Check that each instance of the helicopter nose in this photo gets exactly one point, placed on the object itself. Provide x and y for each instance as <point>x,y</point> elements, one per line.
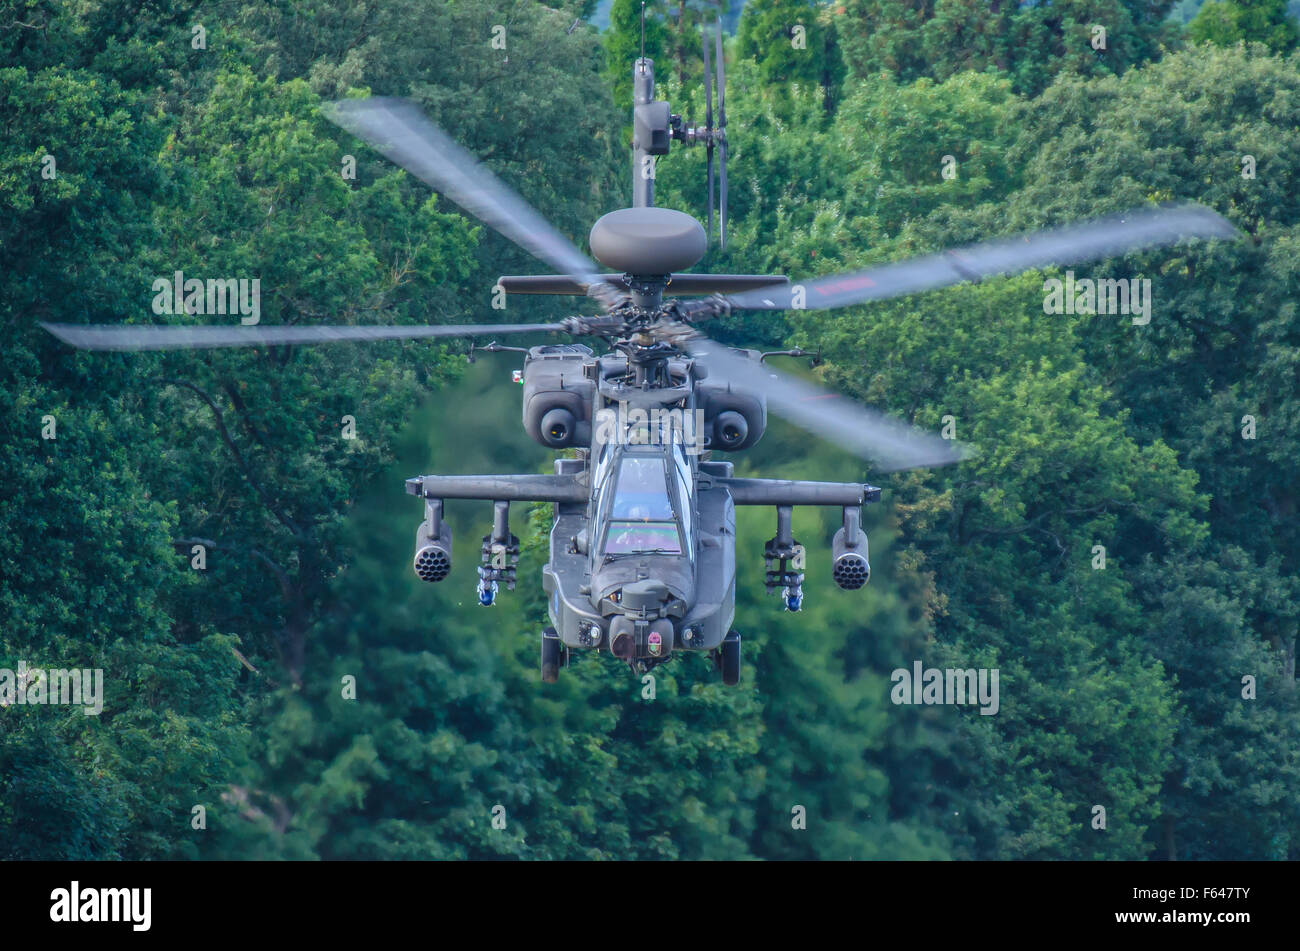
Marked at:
<point>647,595</point>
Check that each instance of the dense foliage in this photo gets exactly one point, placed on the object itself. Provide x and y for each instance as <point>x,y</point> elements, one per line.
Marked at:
<point>883,128</point>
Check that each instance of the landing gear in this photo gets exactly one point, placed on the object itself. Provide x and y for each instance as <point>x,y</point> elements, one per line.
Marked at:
<point>554,656</point>
<point>727,659</point>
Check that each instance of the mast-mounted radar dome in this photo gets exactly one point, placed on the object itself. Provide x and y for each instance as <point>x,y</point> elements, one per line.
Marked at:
<point>648,241</point>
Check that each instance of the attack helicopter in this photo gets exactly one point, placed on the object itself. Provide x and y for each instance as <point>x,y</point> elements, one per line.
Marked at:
<point>643,539</point>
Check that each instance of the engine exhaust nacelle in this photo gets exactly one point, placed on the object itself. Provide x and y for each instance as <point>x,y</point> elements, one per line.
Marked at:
<point>558,394</point>
<point>733,419</point>
<point>850,566</point>
<point>558,428</point>
<point>730,430</point>
<point>433,545</point>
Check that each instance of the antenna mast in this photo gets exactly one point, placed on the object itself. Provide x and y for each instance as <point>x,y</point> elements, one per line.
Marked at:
<point>654,127</point>
<point>649,127</point>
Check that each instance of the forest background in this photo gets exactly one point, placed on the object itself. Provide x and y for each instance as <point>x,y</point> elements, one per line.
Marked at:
<point>1160,685</point>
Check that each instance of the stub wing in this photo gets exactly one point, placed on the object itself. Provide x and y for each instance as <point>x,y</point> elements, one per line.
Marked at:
<point>792,492</point>
<point>500,488</point>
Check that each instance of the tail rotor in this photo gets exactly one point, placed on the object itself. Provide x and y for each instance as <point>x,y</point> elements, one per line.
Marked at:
<point>708,130</point>
<point>720,137</point>
<point>715,137</point>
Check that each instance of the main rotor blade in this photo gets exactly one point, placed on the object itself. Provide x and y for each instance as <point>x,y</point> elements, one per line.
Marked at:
<point>890,443</point>
<point>1073,244</point>
<point>401,131</point>
<point>708,86</point>
<point>147,337</point>
<point>722,78</point>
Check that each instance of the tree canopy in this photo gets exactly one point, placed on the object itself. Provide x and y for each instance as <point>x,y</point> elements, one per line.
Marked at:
<point>225,533</point>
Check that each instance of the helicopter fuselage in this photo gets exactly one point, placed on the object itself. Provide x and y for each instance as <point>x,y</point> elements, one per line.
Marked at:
<point>643,540</point>
<point>646,564</point>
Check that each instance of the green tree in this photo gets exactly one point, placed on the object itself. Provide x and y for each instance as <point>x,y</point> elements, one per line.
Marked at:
<point>793,42</point>
<point>1218,348</point>
<point>624,45</point>
<point>1193,592</point>
<point>1159,684</point>
<point>1225,22</point>
<point>689,24</point>
<point>1030,42</point>
<point>90,578</point>
<point>1015,588</point>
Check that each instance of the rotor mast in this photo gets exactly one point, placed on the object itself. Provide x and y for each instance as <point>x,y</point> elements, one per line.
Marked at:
<point>650,137</point>
<point>643,151</point>
<point>643,93</point>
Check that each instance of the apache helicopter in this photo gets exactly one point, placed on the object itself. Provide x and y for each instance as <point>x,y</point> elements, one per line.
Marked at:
<point>643,544</point>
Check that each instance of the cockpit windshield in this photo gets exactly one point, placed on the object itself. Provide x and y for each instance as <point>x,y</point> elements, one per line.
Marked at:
<point>642,490</point>
<point>641,517</point>
<point>642,538</point>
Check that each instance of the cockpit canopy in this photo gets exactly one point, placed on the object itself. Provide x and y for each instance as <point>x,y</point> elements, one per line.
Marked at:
<point>643,510</point>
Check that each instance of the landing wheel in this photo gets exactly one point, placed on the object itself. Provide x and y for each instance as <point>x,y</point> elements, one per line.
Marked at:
<point>554,656</point>
<point>729,659</point>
